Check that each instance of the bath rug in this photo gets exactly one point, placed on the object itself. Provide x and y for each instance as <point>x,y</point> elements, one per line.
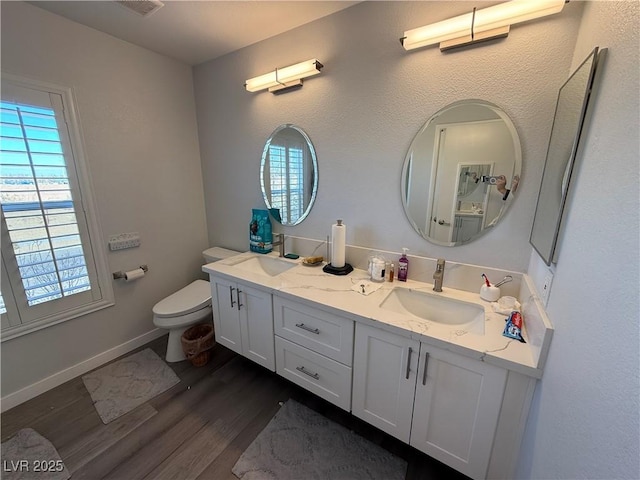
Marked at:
<point>28,456</point>
<point>121,386</point>
<point>299,443</point>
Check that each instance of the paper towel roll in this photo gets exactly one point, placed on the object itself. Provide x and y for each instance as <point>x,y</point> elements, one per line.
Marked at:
<point>338,243</point>
<point>133,275</point>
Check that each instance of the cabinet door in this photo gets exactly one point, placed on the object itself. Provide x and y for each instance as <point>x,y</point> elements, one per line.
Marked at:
<point>456,409</point>
<point>256,326</point>
<point>226,320</point>
<point>384,379</point>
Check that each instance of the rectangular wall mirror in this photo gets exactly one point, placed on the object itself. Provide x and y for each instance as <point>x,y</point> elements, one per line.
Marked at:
<point>564,143</point>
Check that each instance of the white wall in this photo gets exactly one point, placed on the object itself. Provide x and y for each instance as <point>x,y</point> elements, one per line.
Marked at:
<point>137,114</point>
<point>584,419</point>
<point>362,113</point>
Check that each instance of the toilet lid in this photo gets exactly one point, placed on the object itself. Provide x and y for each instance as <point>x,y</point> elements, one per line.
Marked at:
<point>193,297</point>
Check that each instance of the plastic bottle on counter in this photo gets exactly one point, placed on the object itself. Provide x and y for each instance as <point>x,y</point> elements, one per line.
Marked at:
<point>403,266</point>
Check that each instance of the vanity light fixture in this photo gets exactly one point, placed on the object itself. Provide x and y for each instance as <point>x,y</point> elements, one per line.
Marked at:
<point>284,79</point>
<point>479,25</point>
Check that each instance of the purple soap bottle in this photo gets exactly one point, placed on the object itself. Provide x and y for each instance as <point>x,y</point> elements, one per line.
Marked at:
<point>403,266</point>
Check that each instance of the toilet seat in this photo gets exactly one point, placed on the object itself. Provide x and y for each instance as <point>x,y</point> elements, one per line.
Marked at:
<point>184,320</point>
<point>190,299</point>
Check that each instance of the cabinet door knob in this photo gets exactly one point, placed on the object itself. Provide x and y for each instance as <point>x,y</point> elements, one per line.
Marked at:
<point>408,362</point>
<point>426,365</point>
<point>231,289</point>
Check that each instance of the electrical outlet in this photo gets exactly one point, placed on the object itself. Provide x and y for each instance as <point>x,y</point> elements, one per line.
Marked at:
<point>124,240</point>
<point>546,287</point>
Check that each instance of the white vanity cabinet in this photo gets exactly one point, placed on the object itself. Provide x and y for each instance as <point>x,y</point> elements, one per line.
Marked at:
<point>243,320</point>
<point>443,404</point>
<point>464,402</point>
<point>314,349</point>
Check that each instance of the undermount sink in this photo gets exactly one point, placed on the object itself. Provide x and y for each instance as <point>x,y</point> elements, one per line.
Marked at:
<point>265,265</point>
<point>436,308</point>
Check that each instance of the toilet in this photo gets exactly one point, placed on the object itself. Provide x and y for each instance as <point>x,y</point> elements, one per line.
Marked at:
<point>186,307</point>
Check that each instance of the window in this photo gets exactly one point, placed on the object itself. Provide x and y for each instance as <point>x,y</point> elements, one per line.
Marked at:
<point>51,270</point>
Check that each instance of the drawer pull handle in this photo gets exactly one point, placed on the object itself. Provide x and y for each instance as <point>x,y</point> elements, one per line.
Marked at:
<point>408,363</point>
<point>426,365</point>
<point>307,372</point>
<point>308,329</point>
<point>238,295</point>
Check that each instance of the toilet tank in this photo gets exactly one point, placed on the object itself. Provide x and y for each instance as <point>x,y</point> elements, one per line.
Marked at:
<point>214,254</point>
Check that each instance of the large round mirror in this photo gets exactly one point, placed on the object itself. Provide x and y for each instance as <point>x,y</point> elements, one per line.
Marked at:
<point>289,174</point>
<point>461,172</point>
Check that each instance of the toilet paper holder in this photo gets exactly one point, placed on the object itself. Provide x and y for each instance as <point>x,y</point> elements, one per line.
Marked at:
<point>120,274</point>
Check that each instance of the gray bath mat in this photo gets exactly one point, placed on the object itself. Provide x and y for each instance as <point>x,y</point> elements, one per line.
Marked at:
<point>28,455</point>
<point>299,443</point>
<point>121,386</point>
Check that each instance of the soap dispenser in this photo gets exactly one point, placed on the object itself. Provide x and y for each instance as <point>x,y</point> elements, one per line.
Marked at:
<point>403,266</point>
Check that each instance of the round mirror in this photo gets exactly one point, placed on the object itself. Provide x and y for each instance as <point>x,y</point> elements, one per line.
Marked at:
<point>461,172</point>
<point>289,174</point>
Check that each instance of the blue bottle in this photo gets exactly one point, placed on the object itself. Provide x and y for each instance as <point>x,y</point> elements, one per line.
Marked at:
<point>260,235</point>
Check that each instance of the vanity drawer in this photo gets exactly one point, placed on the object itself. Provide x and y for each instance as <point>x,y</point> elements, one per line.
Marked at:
<point>326,378</point>
<point>322,332</point>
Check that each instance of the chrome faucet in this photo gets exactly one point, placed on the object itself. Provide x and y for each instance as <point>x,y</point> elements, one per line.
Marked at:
<point>280,243</point>
<point>438,275</point>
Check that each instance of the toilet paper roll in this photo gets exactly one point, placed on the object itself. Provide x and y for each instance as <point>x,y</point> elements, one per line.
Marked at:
<point>338,243</point>
<point>133,275</point>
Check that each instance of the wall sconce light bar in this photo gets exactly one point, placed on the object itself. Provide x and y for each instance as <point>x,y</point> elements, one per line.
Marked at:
<point>282,79</point>
<point>479,25</point>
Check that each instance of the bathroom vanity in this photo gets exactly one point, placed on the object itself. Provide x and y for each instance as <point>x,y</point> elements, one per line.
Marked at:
<point>431,369</point>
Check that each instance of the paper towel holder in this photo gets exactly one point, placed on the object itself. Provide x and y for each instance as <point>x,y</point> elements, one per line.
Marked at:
<point>120,274</point>
<point>328,268</point>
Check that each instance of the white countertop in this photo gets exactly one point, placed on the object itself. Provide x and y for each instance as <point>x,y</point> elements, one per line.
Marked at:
<point>334,293</point>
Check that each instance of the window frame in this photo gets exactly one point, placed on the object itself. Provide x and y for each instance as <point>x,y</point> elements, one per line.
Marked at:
<point>86,206</point>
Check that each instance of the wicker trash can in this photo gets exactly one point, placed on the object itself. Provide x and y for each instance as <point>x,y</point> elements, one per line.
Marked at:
<point>197,342</point>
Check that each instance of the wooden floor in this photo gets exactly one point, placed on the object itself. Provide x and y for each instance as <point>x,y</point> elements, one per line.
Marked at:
<point>197,429</point>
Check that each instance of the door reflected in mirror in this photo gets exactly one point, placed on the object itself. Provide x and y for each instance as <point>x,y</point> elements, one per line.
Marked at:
<point>461,172</point>
<point>289,174</point>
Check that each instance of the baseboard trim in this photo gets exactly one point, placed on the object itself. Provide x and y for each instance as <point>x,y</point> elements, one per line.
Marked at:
<point>27,393</point>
